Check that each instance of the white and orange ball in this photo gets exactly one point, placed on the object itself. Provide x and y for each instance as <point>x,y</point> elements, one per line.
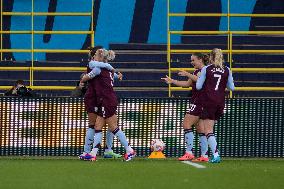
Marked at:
<point>157,145</point>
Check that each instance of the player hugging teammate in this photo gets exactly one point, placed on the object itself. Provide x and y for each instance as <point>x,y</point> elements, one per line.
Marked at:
<point>207,103</point>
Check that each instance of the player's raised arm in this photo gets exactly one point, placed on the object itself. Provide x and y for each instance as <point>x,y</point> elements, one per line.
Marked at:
<point>169,80</point>
<point>95,71</point>
<point>189,75</point>
<point>93,64</point>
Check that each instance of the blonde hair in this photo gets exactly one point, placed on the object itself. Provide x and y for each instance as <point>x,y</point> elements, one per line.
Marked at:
<point>110,55</point>
<point>216,58</point>
<point>107,55</point>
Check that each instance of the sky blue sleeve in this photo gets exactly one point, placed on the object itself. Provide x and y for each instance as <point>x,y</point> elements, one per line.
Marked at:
<point>230,82</point>
<point>93,64</point>
<point>95,71</point>
<point>201,79</point>
<point>115,76</point>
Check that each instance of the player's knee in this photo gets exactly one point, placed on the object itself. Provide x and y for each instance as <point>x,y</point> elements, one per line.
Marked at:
<point>187,125</point>
<point>99,126</point>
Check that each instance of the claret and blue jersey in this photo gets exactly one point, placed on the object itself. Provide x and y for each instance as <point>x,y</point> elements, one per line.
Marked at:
<point>213,81</point>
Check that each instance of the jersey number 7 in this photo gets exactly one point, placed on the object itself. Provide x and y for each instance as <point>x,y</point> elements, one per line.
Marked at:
<point>218,81</point>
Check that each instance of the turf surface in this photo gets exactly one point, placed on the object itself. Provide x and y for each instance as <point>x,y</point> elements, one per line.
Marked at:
<point>66,172</point>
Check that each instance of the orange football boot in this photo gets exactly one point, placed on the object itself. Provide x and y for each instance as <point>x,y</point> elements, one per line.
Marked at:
<point>186,157</point>
<point>201,159</point>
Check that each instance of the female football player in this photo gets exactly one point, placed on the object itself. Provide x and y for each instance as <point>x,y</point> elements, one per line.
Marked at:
<point>192,115</point>
<point>106,105</point>
<point>213,81</point>
<point>90,104</point>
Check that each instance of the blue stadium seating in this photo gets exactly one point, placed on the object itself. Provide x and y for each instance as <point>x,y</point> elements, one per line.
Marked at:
<point>144,64</point>
<point>157,54</point>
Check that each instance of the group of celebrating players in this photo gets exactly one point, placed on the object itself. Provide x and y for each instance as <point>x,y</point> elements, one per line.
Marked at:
<point>101,105</point>
<point>209,81</point>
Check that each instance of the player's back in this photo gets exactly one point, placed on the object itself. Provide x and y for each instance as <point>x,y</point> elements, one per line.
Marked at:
<point>215,84</point>
<point>104,88</point>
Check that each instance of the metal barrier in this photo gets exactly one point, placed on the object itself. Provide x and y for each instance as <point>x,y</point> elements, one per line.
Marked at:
<point>229,50</point>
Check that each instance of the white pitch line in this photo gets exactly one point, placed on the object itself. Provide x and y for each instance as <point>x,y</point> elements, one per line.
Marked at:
<point>194,164</point>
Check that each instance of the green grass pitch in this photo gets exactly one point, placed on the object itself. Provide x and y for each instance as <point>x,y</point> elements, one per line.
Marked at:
<point>69,172</point>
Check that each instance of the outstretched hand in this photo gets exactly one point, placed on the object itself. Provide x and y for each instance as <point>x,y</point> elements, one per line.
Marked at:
<point>81,85</point>
<point>167,79</point>
<point>85,78</point>
<point>120,76</point>
<point>183,73</point>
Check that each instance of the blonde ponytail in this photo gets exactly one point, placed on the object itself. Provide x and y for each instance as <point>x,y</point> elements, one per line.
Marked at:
<point>216,58</point>
<point>110,55</point>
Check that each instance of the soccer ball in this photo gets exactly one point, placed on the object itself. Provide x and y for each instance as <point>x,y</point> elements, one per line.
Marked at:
<point>157,145</point>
